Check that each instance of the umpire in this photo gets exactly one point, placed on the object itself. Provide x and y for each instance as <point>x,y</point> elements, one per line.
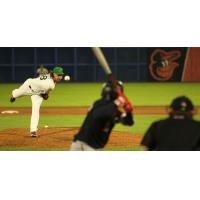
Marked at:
<point>101,118</point>
<point>179,132</point>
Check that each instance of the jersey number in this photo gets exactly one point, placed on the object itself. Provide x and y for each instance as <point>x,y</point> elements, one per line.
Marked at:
<point>44,77</point>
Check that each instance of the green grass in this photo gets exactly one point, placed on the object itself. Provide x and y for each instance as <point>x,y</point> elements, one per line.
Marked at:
<point>51,121</point>
<point>83,94</point>
<point>142,122</point>
<point>73,121</point>
<point>121,149</point>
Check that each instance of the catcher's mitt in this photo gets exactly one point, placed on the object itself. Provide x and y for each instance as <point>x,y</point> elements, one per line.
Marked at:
<point>45,96</point>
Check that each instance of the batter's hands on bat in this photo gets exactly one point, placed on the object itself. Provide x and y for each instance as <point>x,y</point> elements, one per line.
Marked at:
<point>122,103</point>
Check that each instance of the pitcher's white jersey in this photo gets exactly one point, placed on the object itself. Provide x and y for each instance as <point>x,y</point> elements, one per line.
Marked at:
<point>42,84</point>
<point>35,86</point>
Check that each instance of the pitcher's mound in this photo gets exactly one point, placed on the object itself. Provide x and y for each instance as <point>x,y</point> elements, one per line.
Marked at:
<point>60,138</point>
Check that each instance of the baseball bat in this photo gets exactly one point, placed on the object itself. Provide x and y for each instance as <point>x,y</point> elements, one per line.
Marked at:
<point>102,60</point>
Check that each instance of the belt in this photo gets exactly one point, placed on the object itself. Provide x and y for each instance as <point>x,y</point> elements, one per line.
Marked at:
<point>38,93</point>
<point>31,88</point>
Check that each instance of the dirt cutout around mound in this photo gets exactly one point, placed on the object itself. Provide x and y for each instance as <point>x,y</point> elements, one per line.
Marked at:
<point>138,110</point>
<point>144,110</point>
<point>59,138</point>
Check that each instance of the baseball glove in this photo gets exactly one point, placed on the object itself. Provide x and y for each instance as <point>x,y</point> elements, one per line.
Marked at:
<point>45,96</point>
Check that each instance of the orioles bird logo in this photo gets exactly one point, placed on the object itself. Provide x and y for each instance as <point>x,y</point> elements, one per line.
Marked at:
<point>163,64</point>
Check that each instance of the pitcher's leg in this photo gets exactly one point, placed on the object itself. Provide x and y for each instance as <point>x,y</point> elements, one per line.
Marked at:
<point>36,103</point>
<point>23,90</point>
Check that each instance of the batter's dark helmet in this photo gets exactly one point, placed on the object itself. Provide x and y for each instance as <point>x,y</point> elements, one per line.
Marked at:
<point>182,104</point>
<point>108,92</point>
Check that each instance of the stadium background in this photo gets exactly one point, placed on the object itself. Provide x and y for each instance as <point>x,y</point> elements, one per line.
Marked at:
<point>17,64</point>
<point>128,64</point>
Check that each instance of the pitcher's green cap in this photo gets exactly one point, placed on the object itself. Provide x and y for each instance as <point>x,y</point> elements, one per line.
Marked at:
<point>57,70</point>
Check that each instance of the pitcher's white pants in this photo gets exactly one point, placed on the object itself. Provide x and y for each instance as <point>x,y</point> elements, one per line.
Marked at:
<point>36,103</point>
<point>24,90</point>
<point>81,146</point>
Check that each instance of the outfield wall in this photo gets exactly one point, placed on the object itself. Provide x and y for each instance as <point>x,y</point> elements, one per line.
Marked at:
<point>129,64</point>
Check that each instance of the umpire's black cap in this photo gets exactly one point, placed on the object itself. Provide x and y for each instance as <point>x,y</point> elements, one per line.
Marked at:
<point>182,104</point>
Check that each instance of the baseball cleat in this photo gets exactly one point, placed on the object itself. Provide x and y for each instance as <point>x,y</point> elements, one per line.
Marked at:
<point>12,99</point>
<point>34,134</point>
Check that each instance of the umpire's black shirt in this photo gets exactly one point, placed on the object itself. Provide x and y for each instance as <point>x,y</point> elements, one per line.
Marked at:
<point>100,120</point>
<point>173,135</point>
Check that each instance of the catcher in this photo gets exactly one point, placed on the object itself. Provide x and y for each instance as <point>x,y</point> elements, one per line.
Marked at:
<point>112,108</point>
<point>38,89</point>
<point>179,132</point>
